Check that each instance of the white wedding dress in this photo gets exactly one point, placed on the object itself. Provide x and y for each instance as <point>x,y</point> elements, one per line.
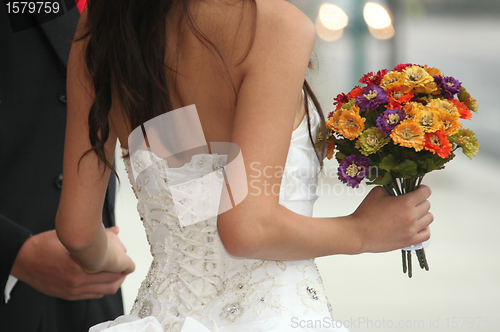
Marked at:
<point>193,284</point>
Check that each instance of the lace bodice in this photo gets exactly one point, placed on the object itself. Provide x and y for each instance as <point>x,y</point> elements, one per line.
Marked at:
<point>191,274</point>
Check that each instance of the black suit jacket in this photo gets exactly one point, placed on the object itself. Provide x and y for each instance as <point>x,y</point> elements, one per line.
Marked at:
<point>32,127</point>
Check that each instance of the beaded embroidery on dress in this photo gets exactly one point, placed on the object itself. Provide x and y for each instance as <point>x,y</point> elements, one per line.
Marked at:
<point>193,284</point>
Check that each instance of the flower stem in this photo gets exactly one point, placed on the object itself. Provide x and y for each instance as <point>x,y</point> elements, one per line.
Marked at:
<point>405,268</point>
<point>409,263</point>
<point>424,260</point>
<point>420,258</point>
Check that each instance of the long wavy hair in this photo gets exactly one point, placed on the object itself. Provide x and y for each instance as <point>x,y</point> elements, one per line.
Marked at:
<point>125,56</point>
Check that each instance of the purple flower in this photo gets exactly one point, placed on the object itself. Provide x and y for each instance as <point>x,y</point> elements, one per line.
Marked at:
<point>371,98</point>
<point>390,119</point>
<point>353,169</point>
<point>448,85</point>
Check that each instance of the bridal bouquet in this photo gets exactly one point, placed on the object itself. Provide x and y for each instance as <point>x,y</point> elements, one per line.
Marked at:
<point>397,127</point>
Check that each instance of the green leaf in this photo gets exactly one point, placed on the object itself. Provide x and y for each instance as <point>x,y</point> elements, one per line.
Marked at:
<point>425,165</point>
<point>340,156</point>
<point>386,179</point>
<point>388,163</point>
<point>407,169</point>
<point>371,118</point>
<point>440,162</point>
<point>371,176</point>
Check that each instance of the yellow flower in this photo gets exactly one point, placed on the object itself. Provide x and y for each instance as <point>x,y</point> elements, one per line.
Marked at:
<point>418,79</point>
<point>409,134</point>
<point>451,124</point>
<point>429,120</point>
<point>444,106</point>
<point>392,80</point>
<point>411,109</point>
<point>351,124</point>
<point>433,71</point>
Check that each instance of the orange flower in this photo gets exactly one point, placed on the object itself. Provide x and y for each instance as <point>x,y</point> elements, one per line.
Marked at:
<point>330,148</point>
<point>429,120</point>
<point>351,125</point>
<point>409,134</point>
<point>333,121</point>
<point>397,97</point>
<point>392,80</point>
<point>355,92</point>
<point>462,109</point>
<point>438,143</point>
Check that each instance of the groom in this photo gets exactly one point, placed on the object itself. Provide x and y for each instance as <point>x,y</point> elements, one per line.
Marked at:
<point>45,290</point>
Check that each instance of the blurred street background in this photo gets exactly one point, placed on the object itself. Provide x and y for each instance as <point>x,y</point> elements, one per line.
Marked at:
<point>369,292</point>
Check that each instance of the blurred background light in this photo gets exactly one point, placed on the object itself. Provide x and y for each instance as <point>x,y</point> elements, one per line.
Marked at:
<point>327,34</point>
<point>376,16</point>
<point>385,33</point>
<point>332,17</point>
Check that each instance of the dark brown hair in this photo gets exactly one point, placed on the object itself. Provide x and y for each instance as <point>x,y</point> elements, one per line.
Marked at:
<point>125,56</point>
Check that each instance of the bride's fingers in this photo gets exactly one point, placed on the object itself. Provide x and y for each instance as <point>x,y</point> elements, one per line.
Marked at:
<point>422,208</point>
<point>421,194</point>
<point>424,222</point>
<point>422,236</point>
<point>421,226</point>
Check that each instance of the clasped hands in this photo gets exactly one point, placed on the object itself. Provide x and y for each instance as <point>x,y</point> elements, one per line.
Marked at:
<point>47,266</point>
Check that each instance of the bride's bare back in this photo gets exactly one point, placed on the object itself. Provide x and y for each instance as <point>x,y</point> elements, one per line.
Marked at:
<point>197,74</point>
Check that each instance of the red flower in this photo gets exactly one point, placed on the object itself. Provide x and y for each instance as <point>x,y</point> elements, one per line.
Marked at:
<point>402,66</point>
<point>372,78</point>
<point>437,142</point>
<point>340,99</point>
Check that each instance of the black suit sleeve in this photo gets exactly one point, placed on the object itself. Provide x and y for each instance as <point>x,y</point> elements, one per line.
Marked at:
<point>12,238</point>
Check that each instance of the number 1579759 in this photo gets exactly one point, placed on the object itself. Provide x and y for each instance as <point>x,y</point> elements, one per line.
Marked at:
<point>22,7</point>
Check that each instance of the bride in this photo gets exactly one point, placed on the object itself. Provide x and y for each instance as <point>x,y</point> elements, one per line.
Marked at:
<point>238,68</point>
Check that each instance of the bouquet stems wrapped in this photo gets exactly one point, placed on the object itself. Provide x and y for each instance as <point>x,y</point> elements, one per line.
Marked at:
<point>400,187</point>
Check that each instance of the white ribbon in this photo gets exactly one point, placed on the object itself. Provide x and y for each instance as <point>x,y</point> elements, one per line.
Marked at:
<point>417,246</point>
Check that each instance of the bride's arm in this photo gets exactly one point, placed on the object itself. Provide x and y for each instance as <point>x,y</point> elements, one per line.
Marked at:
<point>79,217</point>
<point>261,228</point>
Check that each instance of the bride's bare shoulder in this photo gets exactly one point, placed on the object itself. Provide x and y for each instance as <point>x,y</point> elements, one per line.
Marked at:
<point>234,24</point>
<point>283,15</point>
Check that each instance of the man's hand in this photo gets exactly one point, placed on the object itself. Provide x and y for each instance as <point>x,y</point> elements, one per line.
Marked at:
<point>44,264</point>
